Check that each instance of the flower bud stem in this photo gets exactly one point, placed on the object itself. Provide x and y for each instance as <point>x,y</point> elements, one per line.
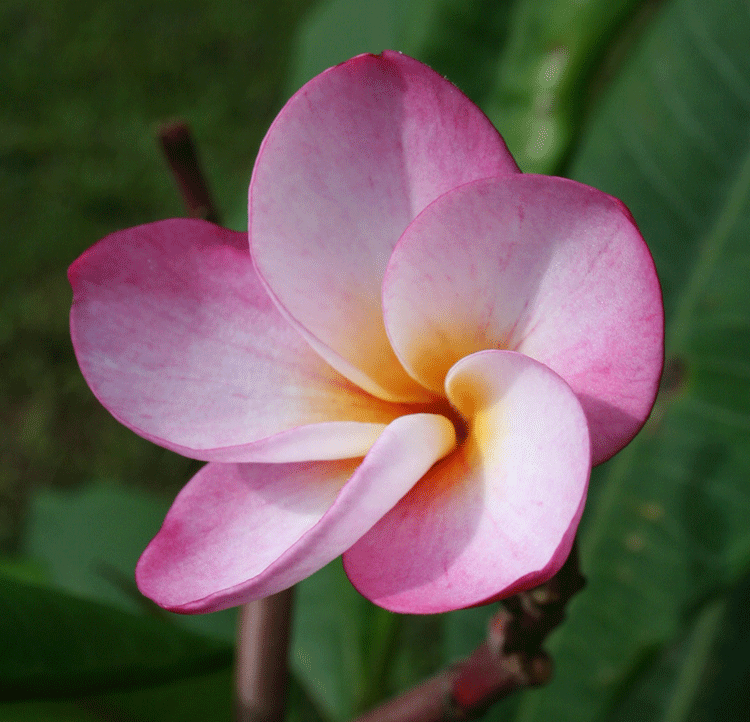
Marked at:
<point>179,149</point>
<point>261,658</point>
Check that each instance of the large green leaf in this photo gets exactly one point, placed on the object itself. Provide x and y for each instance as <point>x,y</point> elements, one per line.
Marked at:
<point>203,698</point>
<point>56,645</point>
<point>668,524</point>
<point>702,676</point>
<point>543,75</point>
<point>89,541</point>
<point>460,38</point>
<point>45,712</point>
<point>349,654</point>
<point>326,651</point>
<point>720,689</point>
<point>340,29</point>
<point>195,699</point>
<point>526,63</point>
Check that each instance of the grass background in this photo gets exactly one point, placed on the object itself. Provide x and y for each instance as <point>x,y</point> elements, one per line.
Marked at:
<point>646,99</point>
<point>83,87</point>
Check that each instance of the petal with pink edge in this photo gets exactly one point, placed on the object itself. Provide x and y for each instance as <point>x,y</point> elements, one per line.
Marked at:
<point>238,532</point>
<point>544,266</point>
<point>178,339</point>
<point>352,158</point>
<point>500,513</point>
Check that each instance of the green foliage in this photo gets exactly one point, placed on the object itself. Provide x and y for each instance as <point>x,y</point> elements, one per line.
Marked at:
<point>668,531</point>
<point>59,646</point>
<point>648,101</point>
<point>89,541</point>
<point>349,653</point>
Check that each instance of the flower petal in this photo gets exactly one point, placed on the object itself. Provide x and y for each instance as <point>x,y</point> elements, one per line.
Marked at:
<point>541,265</point>
<point>348,163</point>
<point>238,532</point>
<point>178,339</point>
<point>500,513</point>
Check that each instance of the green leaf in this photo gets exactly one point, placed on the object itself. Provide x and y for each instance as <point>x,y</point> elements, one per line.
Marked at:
<point>340,29</point>
<point>327,655</point>
<point>544,71</point>
<point>721,690</point>
<point>667,686</point>
<point>527,63</point>
<point>55,645</point>
<point>703,675</point>
<point>197,699</point>
<point>667,526</point>
<point>45,712</point>
<point>201,698</point>
<point>463,40</point>
<point>90,540</point>
<point>349,654</point>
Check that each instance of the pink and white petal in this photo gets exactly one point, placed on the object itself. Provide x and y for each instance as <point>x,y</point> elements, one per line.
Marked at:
<point>545,266</point>
<point>178,339</point>
<point>239,532</point>
<point>352,158</point>
<point>500,513</point>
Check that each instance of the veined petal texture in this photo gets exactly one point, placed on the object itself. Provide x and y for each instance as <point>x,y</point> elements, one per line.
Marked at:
<point>238,532</point>
<point>352,158</point>
<point>544,266</point>
<point>178,339</point>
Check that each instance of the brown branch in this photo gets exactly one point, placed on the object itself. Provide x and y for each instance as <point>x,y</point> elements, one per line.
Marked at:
<point>511,658</point>
<point>261,658</point>
<point>182,157</point>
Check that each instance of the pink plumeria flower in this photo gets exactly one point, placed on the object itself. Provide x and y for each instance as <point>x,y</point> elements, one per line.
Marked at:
<point>414,362</point>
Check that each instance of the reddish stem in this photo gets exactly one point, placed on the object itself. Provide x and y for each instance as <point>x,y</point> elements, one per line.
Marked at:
<point>261,658</point>
<point>511,658</point>
<point>182,157</point>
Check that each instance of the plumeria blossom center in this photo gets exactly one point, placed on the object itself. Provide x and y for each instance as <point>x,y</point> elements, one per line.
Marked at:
<point>411,360</point>
<point>461,426</point>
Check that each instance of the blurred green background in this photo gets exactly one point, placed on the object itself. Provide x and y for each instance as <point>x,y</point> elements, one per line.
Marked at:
<point>649,101</point>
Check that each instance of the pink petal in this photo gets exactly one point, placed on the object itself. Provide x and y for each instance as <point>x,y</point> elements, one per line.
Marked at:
<point>500,513</point>
<point>349,162</point>
<point>541,265</point>
<point>238,532</point>
<point>177,338</point>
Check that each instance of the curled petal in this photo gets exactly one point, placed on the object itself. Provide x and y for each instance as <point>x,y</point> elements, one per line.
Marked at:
<point>348,163</point>
<point>178,339</point>
<point>540,265</point>
<point>238,532</point>
<point>499,514</point>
